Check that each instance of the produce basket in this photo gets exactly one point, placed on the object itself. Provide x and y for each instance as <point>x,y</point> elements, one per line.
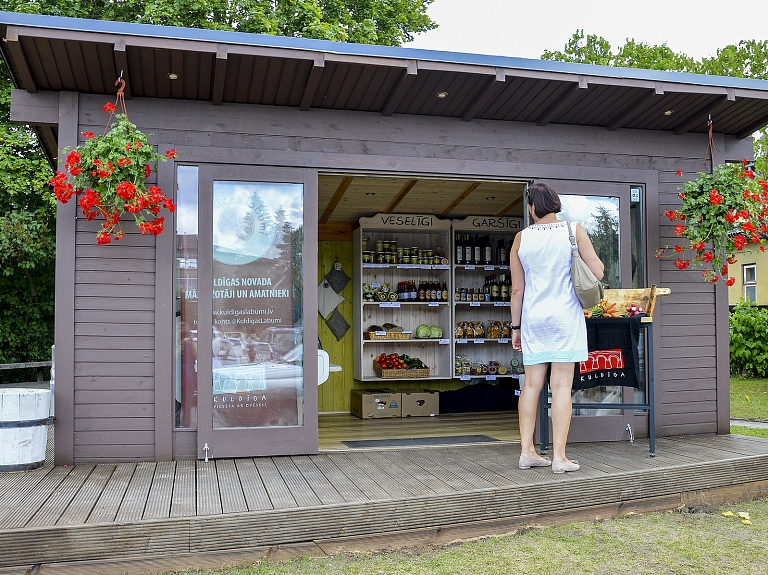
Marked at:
<point>400,373</point>
<point>387,335</point>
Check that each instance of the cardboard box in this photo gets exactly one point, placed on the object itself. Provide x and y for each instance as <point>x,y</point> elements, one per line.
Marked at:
<point>375,403</point>
<point>420,402</point>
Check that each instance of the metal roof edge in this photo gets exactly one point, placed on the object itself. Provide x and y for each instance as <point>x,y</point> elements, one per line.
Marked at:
<point>369,50</point>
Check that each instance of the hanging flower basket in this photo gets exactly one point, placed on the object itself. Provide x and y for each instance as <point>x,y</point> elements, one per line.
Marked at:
<point>108,173</point>
<point>722,214</point>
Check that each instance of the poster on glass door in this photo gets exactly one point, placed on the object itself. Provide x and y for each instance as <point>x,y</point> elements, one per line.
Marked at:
<point>257,304</point>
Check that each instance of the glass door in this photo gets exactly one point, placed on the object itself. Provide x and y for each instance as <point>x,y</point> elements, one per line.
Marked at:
<point>257,388</point>
<point>615,369</point>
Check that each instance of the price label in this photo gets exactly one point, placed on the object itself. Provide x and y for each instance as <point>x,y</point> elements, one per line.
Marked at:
<point>501,304</point>
<point>444,341</point>
<point>474,304</point>
<point>434,304</point>
<point>465,378</point>
<point>469,267</point>
<point>503,340</point>
<point>488,268</point>
<point>375,285</point>
<point>425,266</point>
<point>480,340</point>
<point>490,378</point>
<point>441,267</point>
<point>375,265</point>
<point>503,267</point>
<point>407,331</point>
<point>461,340</point>
<point>381,333</point>
<point>390,304</point>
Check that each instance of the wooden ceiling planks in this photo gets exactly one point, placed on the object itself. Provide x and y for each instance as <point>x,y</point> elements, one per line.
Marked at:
<point>460,198</point>
<point>407,187</point>
<point>340,191</point>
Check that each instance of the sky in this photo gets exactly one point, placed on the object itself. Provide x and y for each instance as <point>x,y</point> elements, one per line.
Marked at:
<point>525,29</point>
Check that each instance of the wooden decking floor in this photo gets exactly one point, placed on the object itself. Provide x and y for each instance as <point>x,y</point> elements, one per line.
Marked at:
<point>92,512</point>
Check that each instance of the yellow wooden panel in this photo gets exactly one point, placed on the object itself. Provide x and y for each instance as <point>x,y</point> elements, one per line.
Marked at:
<point>334,394</point>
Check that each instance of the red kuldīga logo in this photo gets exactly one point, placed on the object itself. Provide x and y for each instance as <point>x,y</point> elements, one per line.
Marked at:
<point>602,359</point>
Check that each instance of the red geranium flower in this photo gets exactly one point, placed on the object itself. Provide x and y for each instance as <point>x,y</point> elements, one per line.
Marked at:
<point>679,173</point>
<point>147,171</point>
<point>714,197</point>
<point>171,153</point>
<point>678,249</point>
<point>108,108</point>
<point>87,135</point>
<point>682,264</point>
<point>730,281</point>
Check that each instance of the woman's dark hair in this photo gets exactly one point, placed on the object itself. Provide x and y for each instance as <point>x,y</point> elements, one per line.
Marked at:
<point>544,200</point>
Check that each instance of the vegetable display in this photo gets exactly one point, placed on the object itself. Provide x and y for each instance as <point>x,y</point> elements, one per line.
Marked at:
<point>395,361</point>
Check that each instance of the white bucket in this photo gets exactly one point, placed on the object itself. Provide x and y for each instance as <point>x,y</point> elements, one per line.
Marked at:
<point>24,418</point>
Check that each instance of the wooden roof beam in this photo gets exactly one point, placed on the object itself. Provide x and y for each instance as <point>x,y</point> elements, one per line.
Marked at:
<point>637,107</point>
<point>509,206</point>
<point>312,82</point>
<point>400,196</point>
<point>219,74</point>
<point>563,102</point>
<point>485,96</point>
<point>17,53</point>
<point>121,64</point>
<point>401,88</point>
<point>460,198</point>
<point>340,191</point>
<point>752,128</point>
<point>699,116</point>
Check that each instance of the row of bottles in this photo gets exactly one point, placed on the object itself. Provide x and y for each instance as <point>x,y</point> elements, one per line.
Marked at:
<point>477,250</point>
<point>492,290</point>
<point>424,292</point>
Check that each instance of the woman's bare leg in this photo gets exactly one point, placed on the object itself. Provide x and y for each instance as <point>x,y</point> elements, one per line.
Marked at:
<point>528,405</point>
<point>560,382</point>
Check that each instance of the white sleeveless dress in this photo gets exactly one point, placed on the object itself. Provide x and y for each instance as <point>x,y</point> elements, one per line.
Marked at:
<point>553,328</point>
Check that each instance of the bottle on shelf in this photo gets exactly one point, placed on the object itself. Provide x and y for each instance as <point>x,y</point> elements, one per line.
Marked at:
<point>477,251</point>
<point>459,250</point>
<point>444,293</point>
<point>495,292</point>
<point>487,289</point>
<point>504,289</point>
<point>501,253</point>
<point>487,250</point>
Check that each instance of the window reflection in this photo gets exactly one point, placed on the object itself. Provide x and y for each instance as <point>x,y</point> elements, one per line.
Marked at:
<point>599,216</point>
<point>186,296</point>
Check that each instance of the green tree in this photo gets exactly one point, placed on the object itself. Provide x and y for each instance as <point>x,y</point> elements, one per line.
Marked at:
<point>27,208</point>
<point>27,242</point>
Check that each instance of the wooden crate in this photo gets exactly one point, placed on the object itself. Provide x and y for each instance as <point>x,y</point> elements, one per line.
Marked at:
<point>643,297</point>
<point>371,335</point>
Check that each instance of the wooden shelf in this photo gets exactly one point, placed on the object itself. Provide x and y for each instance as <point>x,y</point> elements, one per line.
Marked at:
<point>424,303</point>
<point>412,340</point>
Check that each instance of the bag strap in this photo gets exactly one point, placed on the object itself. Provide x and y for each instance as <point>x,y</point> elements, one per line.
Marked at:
<point>574,247</point>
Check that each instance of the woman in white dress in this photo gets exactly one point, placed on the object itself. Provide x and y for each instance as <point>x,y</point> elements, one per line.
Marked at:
<point>548,323</point>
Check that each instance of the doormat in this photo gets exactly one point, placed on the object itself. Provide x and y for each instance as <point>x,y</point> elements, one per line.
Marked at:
<point>421,441</point>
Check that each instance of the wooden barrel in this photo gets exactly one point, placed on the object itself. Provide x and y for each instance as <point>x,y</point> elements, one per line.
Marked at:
<point>24,419</point>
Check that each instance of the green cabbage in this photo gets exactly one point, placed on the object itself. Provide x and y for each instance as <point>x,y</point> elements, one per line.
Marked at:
<point>435,331</point>
<point>423,331</point>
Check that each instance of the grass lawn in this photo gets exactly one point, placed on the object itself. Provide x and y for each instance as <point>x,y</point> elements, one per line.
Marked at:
<point>749,398</point>
<point>701,542</point>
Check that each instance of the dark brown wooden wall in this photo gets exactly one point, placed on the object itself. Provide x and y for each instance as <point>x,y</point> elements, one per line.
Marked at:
<point>115,347</point>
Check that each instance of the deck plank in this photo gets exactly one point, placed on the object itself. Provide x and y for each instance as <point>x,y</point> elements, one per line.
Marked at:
<point>161,491</point>
<point>112,496</point>
<point>376,470</point>
<point>300,489</point>
<point>319,483</point>
<point>367,485</point>
<point>256,496</point>
<point>451,479</point>
<point>135,498</point>
<point>183,500</point>
<point>343,484</point>
<point>279,494</point>
<point>476,468</point>
<point>52,509</point>
<point>208,494</point>
<point>438,458</point>
<point>19,512</point>
<point>82,504</point>
<point>420,482</point>
<point>232,498</point>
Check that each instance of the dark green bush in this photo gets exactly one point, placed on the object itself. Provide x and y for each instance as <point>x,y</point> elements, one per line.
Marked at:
<point>748,329</point>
